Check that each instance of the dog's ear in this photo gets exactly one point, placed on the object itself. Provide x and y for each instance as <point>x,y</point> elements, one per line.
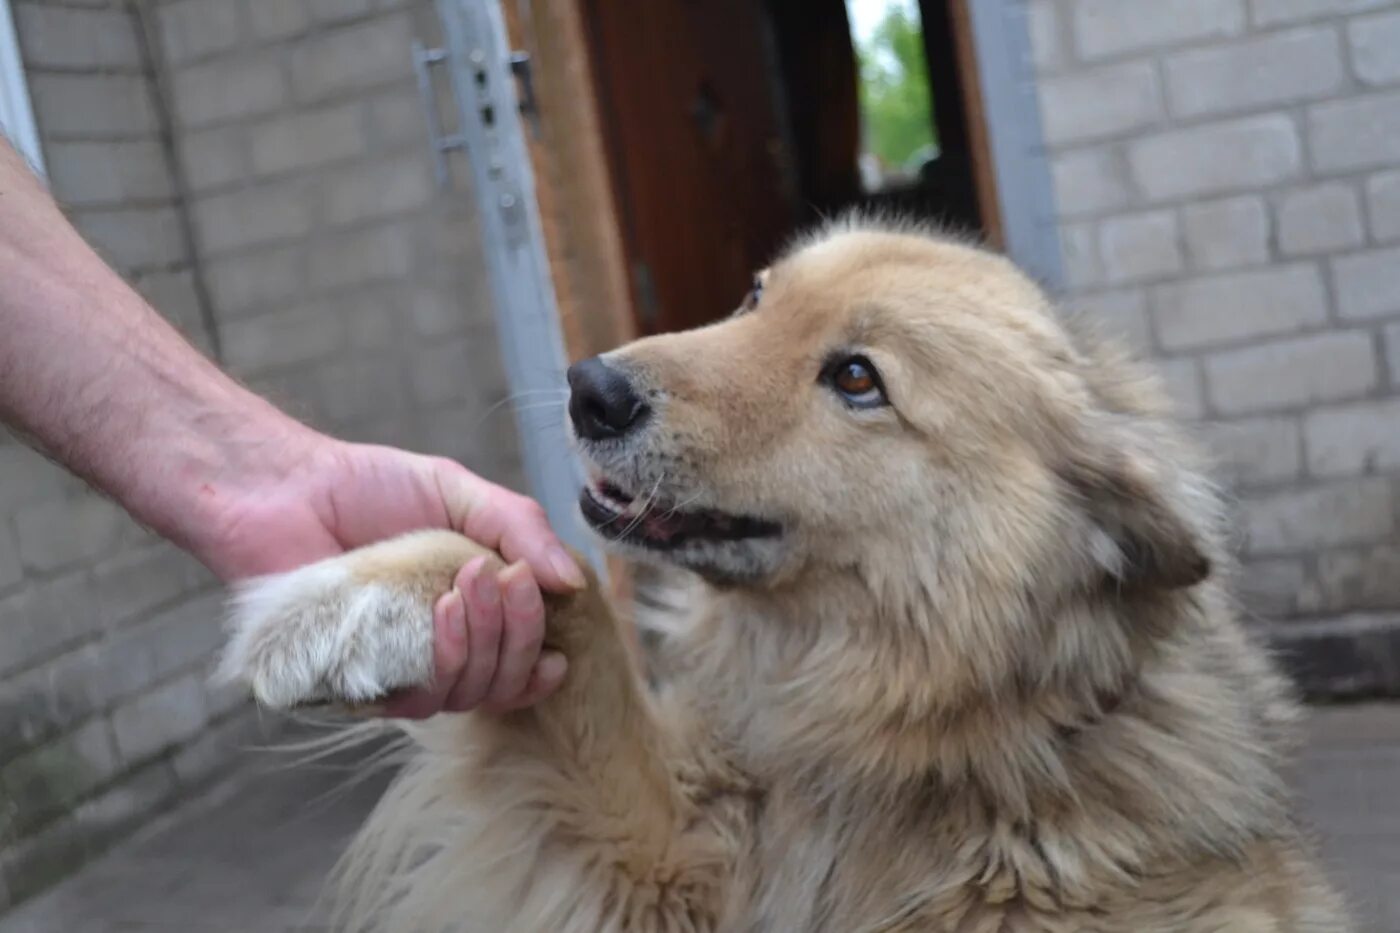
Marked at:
<point>1146,543</point>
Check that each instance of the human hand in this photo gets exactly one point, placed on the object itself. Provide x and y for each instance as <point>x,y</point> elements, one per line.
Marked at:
<point>330,497</point>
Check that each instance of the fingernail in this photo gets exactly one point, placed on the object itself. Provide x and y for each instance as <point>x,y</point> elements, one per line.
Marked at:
<point>486,592</point>
<point>454,611</point>
<point>565,567</point>
<point>551,666</point>
<point>521,592</point>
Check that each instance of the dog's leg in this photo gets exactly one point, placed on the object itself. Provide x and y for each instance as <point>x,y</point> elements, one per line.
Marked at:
<point>567,816</point>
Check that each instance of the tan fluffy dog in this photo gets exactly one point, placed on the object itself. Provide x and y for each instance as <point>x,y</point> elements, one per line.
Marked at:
<point>959,654</point>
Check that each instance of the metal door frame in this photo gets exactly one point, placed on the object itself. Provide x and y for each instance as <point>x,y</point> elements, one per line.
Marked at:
<point>485,75</point>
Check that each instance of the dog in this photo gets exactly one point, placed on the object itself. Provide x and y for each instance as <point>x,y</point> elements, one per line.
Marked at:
<point>958,653</point>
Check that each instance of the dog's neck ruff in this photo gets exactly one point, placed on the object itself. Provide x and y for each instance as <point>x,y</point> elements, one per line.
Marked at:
<point>833,706</point>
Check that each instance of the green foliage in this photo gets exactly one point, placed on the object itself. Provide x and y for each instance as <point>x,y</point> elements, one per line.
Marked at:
<point>895,97</point>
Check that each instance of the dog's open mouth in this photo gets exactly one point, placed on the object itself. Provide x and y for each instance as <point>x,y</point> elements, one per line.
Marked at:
<point>617,514</point>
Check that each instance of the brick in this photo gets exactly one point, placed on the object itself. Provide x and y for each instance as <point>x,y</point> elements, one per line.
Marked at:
<point>339,11</point>
<point>1101,102</point>
<point>1392,351</point>
<point>175,639</point>
<point>54,535</point>
<point>1256,450</point>
<point>1356,133</point>
<point>375,254</point>
<point>1182,380</point>
<point>39,861</point>
<point>1373,41</point>
<point>1121,315</point>
<point>93,106</point>
<point>65,37</point>
<point>378,190</point>
<point>192,29</point>
<point>140,238</point>
<point>249,281</point>
<point>214,749</point>
<point>53,777</point>
<point>355,391</point>
<point>213,158</point>
<point>1227,233</point>
<point>1080,246</point>
<point>117,811</point>
<point>228,89</point>
<point>132,584</point>
<point>306,139</point>
<point>1292,373</point>
<point>1111,27</point>
<point>1342,512</point>
<point>128,661</point>
<point>1270,587</point>
<point>1383,203</point>
<point>277,19</point>
<point>437,373</point>
<point>255,216</point>
<point>396,118</point>
<point>1239,305</point>
<point>1139,246</point>
<point>369,54</point>
<point>166,716</point>
<point>373,326</point>
<point>1367,284</point>
<point>296,336</point>
<point>11,570</point>
<point>84,174</point>
<point>1276,12</point>
<point>1047,34</point>
<point>30,478</point>
<point>1365,578</point>
<point>44,617</point>
<point>173,294</point>
<point>1216,158</point>
<point>1278,68</point>
<point>1088,181</point>
<point>1320,219</point>
<point>438,313</point>
<point>1353,439</point>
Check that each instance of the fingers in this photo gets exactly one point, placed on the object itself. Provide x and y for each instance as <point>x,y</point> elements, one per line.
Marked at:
<point>450,649</point>
<point>512,524</point>
<point>485,618</point>
<point>522,633</point>
<point>488,635</point>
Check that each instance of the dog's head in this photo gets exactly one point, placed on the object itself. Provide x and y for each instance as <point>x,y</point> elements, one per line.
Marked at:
<point>882,399</point>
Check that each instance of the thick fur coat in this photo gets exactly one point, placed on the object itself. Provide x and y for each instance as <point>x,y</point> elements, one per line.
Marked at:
<point>958,656</point>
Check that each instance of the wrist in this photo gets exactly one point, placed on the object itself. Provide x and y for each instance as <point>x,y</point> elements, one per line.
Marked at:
<point>199,469</point>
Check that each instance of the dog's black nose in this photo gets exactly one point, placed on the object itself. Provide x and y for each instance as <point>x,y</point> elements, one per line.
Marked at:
<point>602,402</point>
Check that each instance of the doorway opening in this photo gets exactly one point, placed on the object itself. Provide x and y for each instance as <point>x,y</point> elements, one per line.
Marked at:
<point>731,124</point>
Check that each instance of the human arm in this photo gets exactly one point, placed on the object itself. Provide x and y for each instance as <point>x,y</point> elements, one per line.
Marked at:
<point>99,381</point>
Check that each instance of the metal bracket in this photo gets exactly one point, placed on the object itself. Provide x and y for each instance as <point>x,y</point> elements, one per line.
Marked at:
<point>529,109</point>
<point>488,81</point>
<point>424,59</point>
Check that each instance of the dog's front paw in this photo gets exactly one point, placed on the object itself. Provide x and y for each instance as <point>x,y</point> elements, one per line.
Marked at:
<point>324,634</point>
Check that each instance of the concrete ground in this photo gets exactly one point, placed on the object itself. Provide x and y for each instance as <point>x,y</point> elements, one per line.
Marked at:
<point>251,859</point>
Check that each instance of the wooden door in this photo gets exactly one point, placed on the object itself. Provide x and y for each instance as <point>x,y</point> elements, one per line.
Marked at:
<point>701,174</point>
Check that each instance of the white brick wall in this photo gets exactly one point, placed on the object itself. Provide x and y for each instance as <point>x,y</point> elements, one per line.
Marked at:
<point>1228,177</point>
<point>339,280</point>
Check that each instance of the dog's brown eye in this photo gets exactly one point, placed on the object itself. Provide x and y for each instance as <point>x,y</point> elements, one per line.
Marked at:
<point>856,380</point>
